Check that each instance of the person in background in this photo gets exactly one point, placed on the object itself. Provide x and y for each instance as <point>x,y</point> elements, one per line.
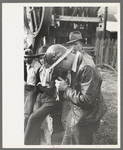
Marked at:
<point>31,78</point>
<point>82,92</point>
<point>41,50</point>
<point>44,105</point>
<point>76,41</point>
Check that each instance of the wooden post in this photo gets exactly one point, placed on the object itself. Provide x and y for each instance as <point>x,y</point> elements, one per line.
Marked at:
<point>105,21</point>
<point>62,11</point>
<point>97,47</point>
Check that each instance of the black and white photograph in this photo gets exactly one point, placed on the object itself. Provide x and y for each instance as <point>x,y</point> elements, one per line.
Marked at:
<point>63,87</point>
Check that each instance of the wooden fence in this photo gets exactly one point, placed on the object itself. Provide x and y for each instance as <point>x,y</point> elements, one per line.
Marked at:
<point>106,52</point>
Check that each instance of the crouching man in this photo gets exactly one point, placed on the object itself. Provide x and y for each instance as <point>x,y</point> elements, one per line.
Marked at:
<point>82,93</point>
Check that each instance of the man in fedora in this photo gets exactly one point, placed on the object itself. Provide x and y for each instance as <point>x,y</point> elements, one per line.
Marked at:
<point>82,90</point>
<point>76,40</point>
<point>31,78</point>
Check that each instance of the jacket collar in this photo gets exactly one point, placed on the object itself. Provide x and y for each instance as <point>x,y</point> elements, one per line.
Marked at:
<point>75,62</point>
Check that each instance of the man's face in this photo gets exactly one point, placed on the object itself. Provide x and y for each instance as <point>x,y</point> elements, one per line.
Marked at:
<point>28,60</point>
<point>77,46</point>
<point>41,60</point>
<point>64,65</point>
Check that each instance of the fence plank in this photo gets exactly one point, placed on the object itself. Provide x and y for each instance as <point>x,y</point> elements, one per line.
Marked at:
<point>101,50</point>
<point>111,52</point>
<point>107,52</point>
<point>97,46</point>
<point>104,50</point>
<point>114,58</point>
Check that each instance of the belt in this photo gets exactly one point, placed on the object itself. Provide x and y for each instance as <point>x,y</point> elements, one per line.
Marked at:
<point>30,85</point>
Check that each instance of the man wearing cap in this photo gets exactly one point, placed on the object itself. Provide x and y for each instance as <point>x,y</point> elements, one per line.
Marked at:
<point>82,92</point>
<point>31,79</point>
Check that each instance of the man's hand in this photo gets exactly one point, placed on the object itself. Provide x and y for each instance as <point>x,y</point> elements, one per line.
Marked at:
<point>61,84</point>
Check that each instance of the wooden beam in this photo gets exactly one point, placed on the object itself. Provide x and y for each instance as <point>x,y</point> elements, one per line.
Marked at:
<point>77,19</point>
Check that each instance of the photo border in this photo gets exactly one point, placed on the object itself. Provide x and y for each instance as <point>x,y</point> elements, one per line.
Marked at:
<point>78,1</point>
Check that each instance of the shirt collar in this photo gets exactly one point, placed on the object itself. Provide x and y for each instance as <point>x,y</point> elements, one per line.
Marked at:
<point>32,64</point>
<point>74,65</point>
<point>41,68</point>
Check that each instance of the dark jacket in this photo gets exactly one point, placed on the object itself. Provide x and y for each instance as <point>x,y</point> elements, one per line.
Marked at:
<point>84,91</point>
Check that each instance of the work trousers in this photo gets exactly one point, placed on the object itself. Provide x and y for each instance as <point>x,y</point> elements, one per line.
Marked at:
<point>34,123</point>
<point>80,135</point>
<point>30,93</point>
<point>77,135</point>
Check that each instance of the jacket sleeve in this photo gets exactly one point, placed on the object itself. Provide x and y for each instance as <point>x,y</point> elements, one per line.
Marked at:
<point>89,88</point>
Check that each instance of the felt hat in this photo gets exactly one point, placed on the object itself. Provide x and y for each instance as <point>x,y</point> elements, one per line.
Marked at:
<point>41,51</point>
<point>75,36</point>
<point>28,53</point>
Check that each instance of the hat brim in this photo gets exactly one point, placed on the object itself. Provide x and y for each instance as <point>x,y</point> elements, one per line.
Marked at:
<point>61,58</point>
<point>34,56</point>
<point>72,41</point>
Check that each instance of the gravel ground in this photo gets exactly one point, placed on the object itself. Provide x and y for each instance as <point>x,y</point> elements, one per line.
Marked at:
<point>107,133</point>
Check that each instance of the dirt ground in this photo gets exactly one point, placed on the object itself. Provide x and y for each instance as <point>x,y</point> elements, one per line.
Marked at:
<point>107,133</point>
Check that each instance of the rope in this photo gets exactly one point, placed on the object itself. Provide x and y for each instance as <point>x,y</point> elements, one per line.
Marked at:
<point>107,66</point>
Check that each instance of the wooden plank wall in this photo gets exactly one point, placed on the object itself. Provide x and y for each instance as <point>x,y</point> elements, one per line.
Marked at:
<point>106,52</point>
